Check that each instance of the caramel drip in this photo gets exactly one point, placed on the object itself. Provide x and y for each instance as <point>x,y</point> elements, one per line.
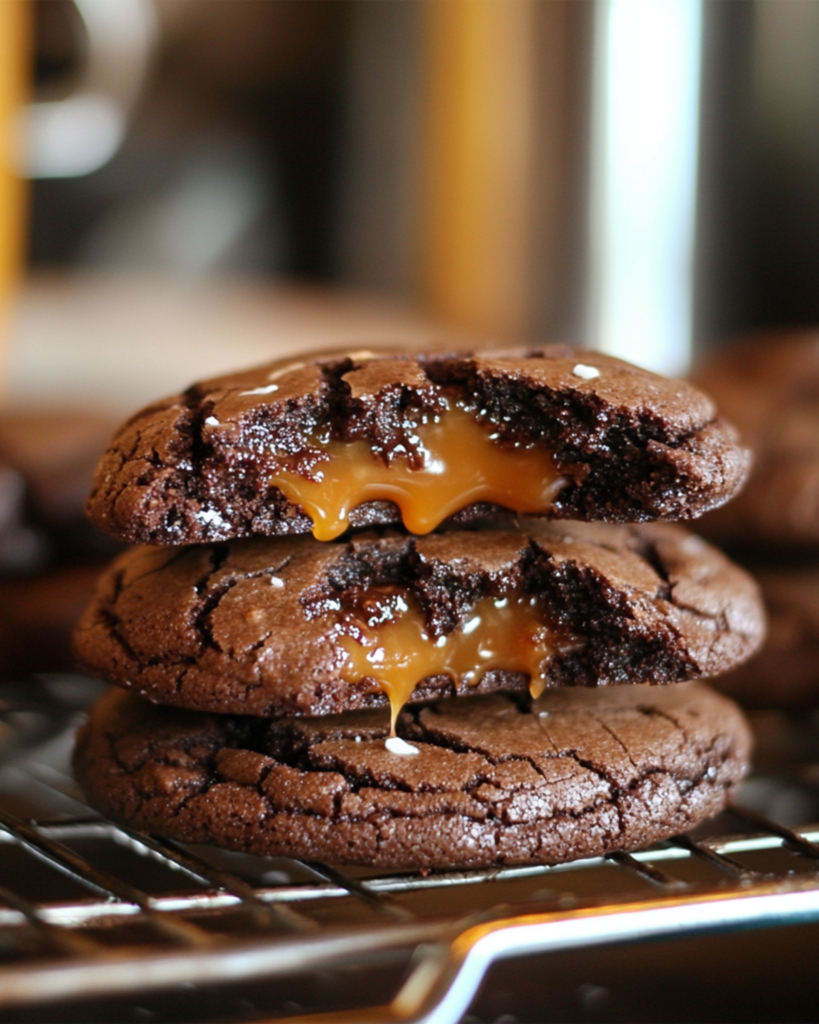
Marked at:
<point>507,633</point>
<point>460,463</point>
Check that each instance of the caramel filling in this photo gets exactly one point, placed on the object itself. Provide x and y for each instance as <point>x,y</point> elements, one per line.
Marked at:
<point>393,647</point>
<point>453,462</point>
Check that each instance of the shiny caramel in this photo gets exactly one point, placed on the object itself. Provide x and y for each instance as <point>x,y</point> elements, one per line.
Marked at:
<point>455,461</point>
<point>389,643</point>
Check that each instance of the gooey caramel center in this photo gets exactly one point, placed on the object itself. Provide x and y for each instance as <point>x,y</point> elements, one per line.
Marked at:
<point>455,461</point>
<point>394,648</point>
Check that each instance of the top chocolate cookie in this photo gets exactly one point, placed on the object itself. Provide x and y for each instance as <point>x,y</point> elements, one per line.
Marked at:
<point>361,438</point>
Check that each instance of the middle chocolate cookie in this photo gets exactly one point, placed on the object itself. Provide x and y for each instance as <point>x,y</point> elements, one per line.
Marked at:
<point>290,626</point>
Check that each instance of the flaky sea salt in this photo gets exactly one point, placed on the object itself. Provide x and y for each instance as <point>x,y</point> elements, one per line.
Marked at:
<point>277,582</point>
<point>209,517</point>
<point>586,372</point>
<point>396,745</point>
<point>267,389</point>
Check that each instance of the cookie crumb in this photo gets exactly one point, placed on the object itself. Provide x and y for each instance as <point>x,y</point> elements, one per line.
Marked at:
<point>586,372</point>
<point>396,745</point>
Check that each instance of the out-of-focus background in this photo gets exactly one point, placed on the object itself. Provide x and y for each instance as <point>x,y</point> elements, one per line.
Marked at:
<point>634,175</point>
<point>190,186</point>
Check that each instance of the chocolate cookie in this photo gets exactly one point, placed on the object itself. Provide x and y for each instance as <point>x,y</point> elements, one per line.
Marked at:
<point>277,626</point>
<point>47,460</point>
<point>491,781</point>
<point>785,673</point>
<point>769,385</point>
<point>365,439</point>
<point>37,617</point>
<point>22,549</point>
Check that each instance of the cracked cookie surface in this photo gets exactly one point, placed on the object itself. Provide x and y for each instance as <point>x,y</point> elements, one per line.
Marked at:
<point>630,446</point>
<point>496,780</point>
<point>250,627</point>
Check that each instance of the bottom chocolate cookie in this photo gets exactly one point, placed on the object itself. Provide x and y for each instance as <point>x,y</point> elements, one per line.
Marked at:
<point>492,780</point>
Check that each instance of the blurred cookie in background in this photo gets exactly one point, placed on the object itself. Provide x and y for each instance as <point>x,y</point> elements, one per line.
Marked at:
<point>22,548</point>
<point>38,614</point>
<point>47,458</point>
<point>49,553</point>
<point>768,385</point>
<point>785,673</point>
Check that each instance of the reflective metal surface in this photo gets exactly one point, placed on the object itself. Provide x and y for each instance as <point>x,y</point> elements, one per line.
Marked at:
<point>91,910</point>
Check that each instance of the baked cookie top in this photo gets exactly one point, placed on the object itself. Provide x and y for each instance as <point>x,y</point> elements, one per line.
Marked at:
<point>293,626</point>
<point>359,439</point>
<point>769,385</point>
<point>483,782</point>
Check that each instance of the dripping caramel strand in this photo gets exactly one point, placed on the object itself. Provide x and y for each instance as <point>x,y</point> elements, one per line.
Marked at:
<point>500,633</point>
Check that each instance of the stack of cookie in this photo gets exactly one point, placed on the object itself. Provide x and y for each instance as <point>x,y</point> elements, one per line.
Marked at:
<point>769,383</point>
<point>427,680</point>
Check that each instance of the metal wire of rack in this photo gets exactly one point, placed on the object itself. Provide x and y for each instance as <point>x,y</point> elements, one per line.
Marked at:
<point>93,909</point>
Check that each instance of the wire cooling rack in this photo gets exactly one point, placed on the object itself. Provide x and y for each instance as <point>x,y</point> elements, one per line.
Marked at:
<point>97,919</point>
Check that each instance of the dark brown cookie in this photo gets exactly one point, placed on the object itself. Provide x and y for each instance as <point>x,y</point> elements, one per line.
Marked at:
<point>769,385</point>
<point>493,781</point>
<point>569,434</point>
<point>785,673</point>
<point>22,549</point>
<point>47,460</point>
<point>274,626</point>
<point>37,617</point>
